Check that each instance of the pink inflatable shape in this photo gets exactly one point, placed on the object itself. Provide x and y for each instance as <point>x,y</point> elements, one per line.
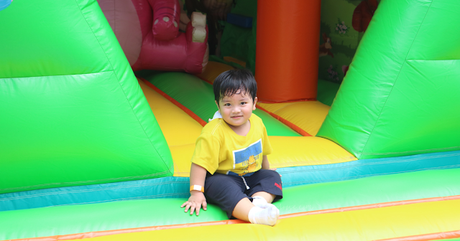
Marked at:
<point>148,32</point>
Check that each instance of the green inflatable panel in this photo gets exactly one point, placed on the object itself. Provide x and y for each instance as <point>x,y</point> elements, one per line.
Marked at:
<point>72,112</point>
<point>70,219</point>
<point>401,93</point>
<point>239,42</point>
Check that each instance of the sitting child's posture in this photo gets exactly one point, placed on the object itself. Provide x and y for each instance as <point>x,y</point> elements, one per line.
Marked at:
<point>230,166</point>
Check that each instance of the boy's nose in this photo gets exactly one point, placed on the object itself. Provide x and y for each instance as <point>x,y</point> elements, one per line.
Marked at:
<point>236,110</point>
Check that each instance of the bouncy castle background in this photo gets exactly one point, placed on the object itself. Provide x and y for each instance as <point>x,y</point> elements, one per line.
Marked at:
<point>101,103</point>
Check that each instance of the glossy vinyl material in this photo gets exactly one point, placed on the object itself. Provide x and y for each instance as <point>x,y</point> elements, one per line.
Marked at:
<point>72,111</point>
<point>287,61</point>
<point>400,95</point>
<point>198,97</point>
<point>360,209</point>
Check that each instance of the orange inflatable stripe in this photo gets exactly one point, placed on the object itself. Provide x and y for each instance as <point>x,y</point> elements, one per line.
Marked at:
<point>130,230</point>
<point>427,237</point>
<point>185,109</point>
<point>371,206</point>
<point>307,115</point>
<point>286,122</point>
<point>212,70</point>
<point>451,234</point>
<point>287,101</point>
<point>235,60</point>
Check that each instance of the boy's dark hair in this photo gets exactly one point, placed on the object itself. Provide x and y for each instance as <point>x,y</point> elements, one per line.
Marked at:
<point>230,81</point>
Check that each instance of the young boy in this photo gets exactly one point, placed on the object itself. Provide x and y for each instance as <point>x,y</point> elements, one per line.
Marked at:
<point>230,166</point>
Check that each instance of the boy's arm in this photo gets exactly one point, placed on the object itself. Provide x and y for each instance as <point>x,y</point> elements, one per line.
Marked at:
<point>197,198</point>
<point>265,163</point>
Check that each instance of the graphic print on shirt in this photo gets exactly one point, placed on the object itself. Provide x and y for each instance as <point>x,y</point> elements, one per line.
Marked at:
<point>247,160</point>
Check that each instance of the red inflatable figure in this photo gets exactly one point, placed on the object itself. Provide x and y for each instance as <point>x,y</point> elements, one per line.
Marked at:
<point>148,32</point>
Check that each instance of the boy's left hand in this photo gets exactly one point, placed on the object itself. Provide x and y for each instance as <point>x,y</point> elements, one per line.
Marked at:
<point>196,201</point>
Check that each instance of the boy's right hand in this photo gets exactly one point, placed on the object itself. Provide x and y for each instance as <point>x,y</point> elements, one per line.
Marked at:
<point>196,201</point>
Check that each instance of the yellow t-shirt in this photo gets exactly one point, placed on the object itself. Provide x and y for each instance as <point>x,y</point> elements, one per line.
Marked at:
<point>219,149</point>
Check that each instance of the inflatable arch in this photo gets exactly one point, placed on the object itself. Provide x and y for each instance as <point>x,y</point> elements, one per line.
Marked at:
<point>89,151</point>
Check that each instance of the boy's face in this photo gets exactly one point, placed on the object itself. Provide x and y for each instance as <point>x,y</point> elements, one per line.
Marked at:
<point>237,109</point>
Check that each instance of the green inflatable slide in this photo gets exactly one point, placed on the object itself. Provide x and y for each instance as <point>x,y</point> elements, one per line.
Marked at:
<point>400,96</point>
<point>71,110</point>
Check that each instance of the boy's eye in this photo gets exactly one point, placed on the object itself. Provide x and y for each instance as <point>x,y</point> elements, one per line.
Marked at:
<point>227,104</point>
<point>243,103</point>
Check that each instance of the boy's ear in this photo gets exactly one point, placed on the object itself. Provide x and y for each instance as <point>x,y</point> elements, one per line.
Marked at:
<point>255,102</point>
<point>217,105</point>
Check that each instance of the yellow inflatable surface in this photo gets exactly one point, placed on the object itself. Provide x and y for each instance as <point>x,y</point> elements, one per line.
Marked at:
<point>181,132</point>
<point>375,223</point>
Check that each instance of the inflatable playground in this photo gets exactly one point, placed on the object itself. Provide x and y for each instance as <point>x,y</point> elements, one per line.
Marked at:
<point>90,149</point>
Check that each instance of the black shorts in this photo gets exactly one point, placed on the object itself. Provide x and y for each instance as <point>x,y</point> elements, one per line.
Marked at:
<point>226,191</point>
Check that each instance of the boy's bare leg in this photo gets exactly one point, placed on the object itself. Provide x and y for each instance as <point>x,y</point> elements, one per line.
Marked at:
<point>242,209</point>
<point>245,210</point>
<point>267,196</point>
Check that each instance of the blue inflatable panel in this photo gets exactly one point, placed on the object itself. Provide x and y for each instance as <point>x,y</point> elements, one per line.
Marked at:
<point>75,219</point>
<point>295,176</point>
<point>168,187</point>
<point>178,187</point>
<point>4,4</point>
